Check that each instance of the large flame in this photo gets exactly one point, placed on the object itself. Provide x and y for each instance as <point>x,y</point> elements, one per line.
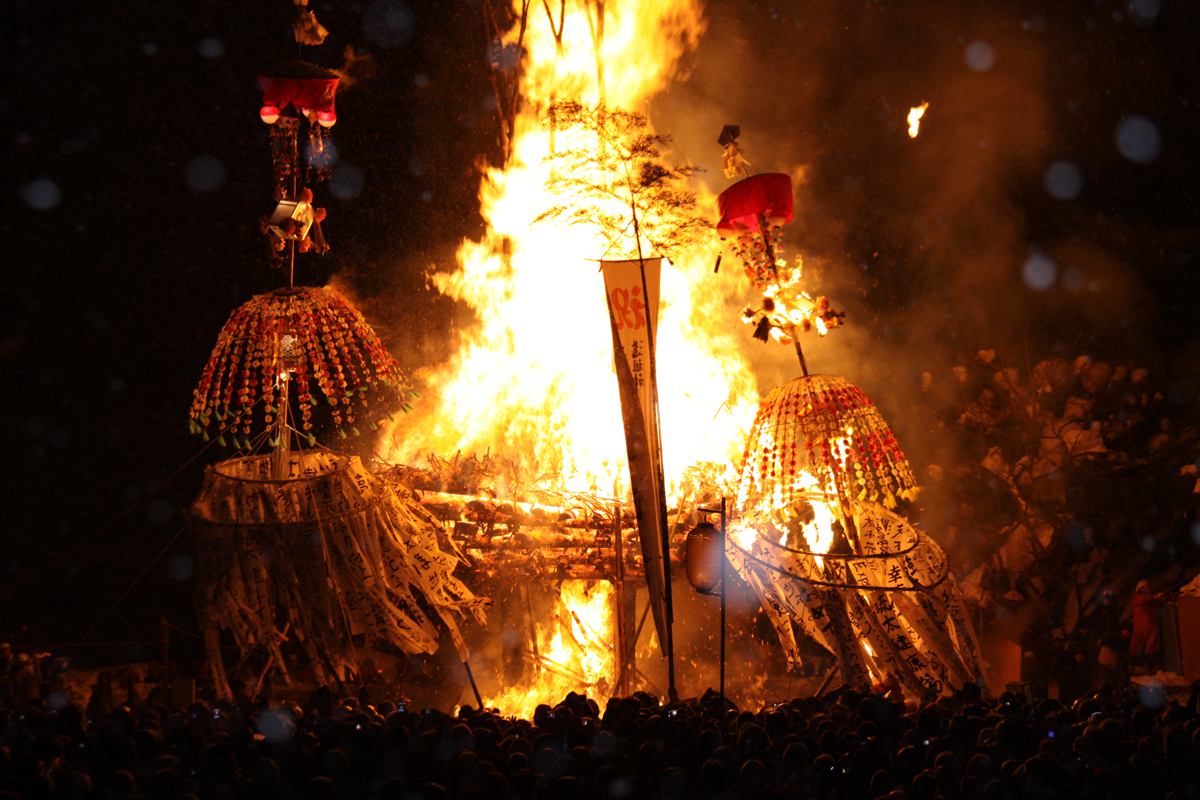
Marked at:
<point>575,650</point>
<point>533,380</point>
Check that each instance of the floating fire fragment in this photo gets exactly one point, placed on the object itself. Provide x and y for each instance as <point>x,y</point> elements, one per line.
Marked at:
<point>914,119</point>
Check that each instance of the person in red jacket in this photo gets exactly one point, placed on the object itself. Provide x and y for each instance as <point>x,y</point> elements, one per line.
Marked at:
<point>1145,643</point>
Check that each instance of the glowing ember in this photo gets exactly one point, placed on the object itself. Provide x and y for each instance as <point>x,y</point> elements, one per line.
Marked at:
<point>914,119</point>
<point>575,651</point>
<point>533,381</point>
<point>744,534</point>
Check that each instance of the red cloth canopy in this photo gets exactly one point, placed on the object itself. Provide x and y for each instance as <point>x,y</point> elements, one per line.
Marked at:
<point>768,195</point>
<point>304,86</point>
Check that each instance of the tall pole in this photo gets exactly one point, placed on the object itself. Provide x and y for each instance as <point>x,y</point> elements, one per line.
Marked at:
<point>764,231</point>
<point>619,579</point>
<point>799,351</point>
<point>724,592</point>
<point>282,444</point>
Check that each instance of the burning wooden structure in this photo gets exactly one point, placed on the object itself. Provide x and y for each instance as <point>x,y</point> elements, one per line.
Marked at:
<point>818,540</point>
<point>563,570</point>
<point>525,378</point>
<point>320,555</point>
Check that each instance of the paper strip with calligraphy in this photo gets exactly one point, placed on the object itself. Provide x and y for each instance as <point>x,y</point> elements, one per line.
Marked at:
<point>327,553</point>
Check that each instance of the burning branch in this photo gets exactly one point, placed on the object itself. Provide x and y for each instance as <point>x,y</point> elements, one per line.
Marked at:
<point>615,178</point>
<point>508,95</point>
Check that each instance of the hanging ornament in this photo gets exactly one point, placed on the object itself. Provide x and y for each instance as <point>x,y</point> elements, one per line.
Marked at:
<point>753,213</point>
<point>311,337</point>
<point>300,85</point>
<point>295,220</point>
<point>285,153</point>
<point>733,162</point>
<point>293,92</point>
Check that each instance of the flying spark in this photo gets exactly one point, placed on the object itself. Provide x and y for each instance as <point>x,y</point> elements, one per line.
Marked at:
<point>914,119</point>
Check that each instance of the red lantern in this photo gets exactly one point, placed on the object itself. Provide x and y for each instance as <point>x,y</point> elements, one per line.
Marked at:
<point>327,118</point>
<point>269,114</point>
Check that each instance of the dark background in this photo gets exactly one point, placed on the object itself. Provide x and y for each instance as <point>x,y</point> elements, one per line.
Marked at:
<point>139,168</point>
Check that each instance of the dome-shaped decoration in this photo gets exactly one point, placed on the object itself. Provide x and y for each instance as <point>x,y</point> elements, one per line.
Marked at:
<point>311,337</point>
<point>821,434</point>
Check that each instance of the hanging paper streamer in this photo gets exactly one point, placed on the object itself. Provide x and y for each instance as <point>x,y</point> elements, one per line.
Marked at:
<point>632,288</point>
<point>327,553</point>
<point>315,337</point>
<point>905,612</point>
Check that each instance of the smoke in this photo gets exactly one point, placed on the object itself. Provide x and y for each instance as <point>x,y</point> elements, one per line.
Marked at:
<point>937,246</point>
<point>968,237</point>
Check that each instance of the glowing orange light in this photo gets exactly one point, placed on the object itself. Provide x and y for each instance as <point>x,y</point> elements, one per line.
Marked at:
<point>533,380</point>
<point>914,119</point>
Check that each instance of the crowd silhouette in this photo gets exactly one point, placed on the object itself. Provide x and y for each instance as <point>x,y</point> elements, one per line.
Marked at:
<point>1108,744</point>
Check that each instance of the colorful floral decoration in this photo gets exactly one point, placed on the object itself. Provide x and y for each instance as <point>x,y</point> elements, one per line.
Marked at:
<point>822,431</point>
<point>310,336</point>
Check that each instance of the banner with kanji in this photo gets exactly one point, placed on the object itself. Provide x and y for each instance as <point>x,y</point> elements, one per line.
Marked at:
<point>632,290</point>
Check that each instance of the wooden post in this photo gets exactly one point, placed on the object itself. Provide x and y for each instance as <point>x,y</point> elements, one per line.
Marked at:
<point>724,592</point>
<point>282,442</point>
<point>474,687</point>
<point>621,687</point>
<point>799,351</point>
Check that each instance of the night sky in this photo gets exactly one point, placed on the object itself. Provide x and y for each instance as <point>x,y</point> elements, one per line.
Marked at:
<point>1051,198</point>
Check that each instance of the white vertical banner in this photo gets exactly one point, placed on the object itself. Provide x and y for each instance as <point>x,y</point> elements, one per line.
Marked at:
<point>632,289</point>
<point>635,328</point>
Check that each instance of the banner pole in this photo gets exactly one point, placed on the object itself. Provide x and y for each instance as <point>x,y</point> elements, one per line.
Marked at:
<point>724,590</point>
